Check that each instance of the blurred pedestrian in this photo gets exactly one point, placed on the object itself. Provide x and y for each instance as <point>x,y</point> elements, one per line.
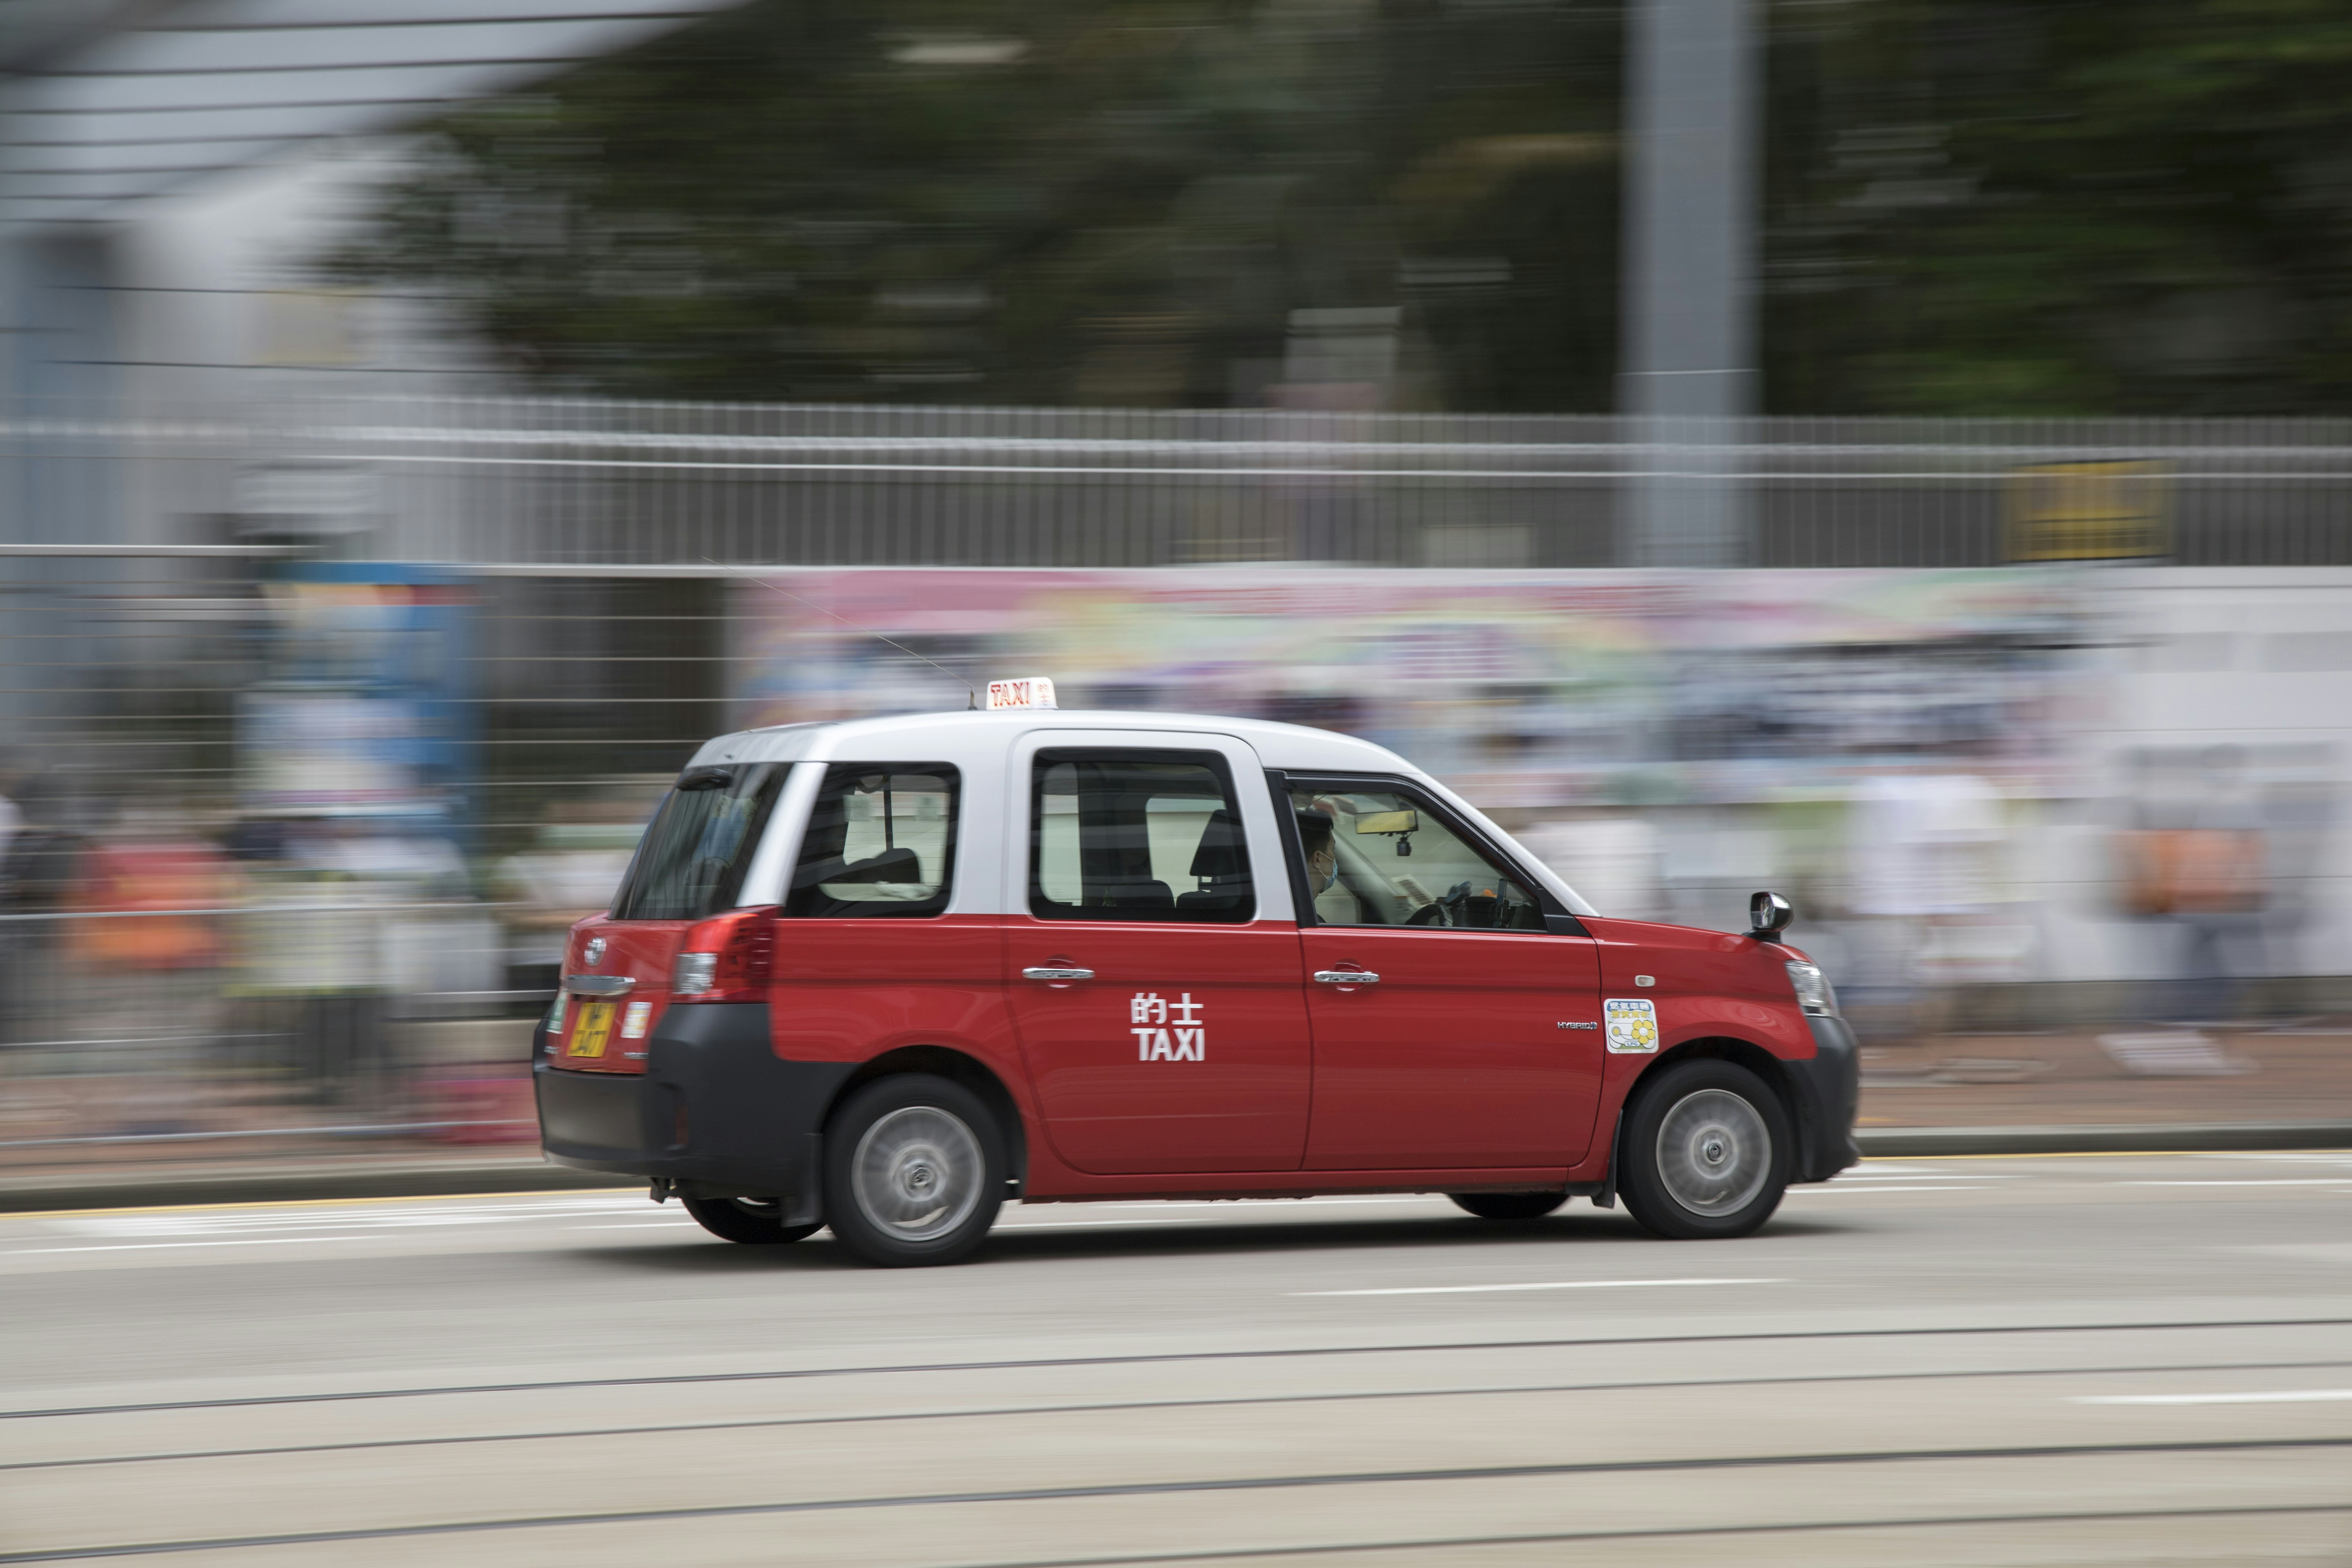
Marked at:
<point>1923,859</point>
<point>314,954</point>
<point>2195,861</point>
<point>571,872</point>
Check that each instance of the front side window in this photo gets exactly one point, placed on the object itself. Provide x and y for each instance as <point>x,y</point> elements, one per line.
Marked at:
<point>1134,835</point>
<point>1383,856</point>
<point>880,843</point>
<point>691,862</point>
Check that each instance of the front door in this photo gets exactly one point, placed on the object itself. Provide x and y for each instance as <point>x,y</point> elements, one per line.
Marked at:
<point>1155,977</point>
<point>1477,1045</point>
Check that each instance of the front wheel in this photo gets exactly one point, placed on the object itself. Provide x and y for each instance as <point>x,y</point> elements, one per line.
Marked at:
<point>1508,1205</point>
<point>756,1222</point>
<point>914,1172</point>
<point>1707,1153</point>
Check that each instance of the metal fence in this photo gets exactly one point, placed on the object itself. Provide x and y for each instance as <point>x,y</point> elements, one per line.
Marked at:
<point>150,618</point>
<point>614,486</point>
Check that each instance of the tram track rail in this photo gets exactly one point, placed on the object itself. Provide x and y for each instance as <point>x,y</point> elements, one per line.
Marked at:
<point>1693,1533</point>
<point>1134,1406</point>
<point>444,1528</point>
<point>1050,1364</point>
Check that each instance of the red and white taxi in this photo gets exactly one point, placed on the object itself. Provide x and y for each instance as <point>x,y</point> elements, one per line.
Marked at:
<point>882,976</point>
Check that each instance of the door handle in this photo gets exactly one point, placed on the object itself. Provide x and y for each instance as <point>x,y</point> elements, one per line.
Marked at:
<point>1346,977</point>
<point>1061,974</point>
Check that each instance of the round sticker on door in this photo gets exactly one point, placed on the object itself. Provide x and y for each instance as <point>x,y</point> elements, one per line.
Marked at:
<point>1632,1024</point>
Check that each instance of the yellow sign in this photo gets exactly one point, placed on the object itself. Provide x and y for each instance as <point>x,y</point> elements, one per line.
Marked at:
<point>1631,1024</point>
<point>2089,512</point>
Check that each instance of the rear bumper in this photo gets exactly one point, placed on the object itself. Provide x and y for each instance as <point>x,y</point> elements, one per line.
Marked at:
<point>715,1111</point>
<point>1828,1093</point>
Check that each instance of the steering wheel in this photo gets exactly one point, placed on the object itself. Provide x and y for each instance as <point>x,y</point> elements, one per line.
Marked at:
<point>1430,915</point>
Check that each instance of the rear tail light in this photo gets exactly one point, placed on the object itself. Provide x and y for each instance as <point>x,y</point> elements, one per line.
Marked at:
<point>728,959</point>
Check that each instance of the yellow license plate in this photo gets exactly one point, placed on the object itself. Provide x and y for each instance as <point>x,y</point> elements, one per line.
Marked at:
<point>594,1027</point>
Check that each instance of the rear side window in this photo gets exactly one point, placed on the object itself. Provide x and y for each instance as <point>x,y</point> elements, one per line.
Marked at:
<point>880,843</point>
<point>691,862</point>
<point>1133,835</point>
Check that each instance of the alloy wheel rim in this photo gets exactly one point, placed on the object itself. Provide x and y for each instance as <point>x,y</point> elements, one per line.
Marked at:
<point>1714,1152</point>
<point>916,1172</point>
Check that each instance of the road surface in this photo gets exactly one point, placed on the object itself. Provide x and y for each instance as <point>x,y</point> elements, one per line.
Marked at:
<point>2090,1360</point>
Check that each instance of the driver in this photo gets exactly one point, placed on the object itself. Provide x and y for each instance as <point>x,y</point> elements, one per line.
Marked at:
<point>1322,861</point>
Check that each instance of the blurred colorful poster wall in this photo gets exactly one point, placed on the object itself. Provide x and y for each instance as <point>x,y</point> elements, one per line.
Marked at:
<point>1523,689</point>
<point>1958,774</point>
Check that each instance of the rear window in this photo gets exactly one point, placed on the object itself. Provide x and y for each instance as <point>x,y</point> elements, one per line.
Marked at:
<point>691,863</point>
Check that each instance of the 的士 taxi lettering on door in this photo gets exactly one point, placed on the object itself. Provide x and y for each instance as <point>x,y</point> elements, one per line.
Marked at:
<point>1168,1031</point>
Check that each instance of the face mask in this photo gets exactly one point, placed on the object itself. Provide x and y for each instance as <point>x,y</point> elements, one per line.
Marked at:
<point>1321,880</point>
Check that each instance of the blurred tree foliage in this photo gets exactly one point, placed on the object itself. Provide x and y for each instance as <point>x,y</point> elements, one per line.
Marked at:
<point>1972,206</point>
<point>1112,201</point>
<point>2029,207</point>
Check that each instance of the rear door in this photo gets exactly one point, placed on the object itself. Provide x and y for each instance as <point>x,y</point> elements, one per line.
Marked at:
<point>689,865</point>
<point>867,955</point>
<point>1471,1038</point>
<point>1152,963</point>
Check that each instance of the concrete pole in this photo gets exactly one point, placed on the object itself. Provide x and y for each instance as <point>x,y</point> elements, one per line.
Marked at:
<point>1693,136</point>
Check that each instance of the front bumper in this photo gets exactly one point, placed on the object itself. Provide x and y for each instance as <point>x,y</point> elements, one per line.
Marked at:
<point>1828,1094</point>
<point>716,1111</point>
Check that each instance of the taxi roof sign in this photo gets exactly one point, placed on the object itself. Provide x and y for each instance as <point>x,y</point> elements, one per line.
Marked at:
<point>1031,691</point>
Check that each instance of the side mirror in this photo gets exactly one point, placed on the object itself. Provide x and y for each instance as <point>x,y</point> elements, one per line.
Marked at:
<point>1769,915</point>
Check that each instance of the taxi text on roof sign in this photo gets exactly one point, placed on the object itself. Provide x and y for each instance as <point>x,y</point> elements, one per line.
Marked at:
<point>1035,692</point>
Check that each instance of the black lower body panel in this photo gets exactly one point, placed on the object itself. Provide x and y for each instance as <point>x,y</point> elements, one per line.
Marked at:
<point>715,1112</point>
<point>1829,1095</point>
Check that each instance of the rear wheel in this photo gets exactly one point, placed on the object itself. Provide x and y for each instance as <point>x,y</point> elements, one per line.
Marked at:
<point>914,1172</point>
<point>1508,1205</point>
<point>1707,1153</point>
<point>757,1221</point>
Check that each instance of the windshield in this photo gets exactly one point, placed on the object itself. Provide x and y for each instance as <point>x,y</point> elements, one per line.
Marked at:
<point>691,863</point>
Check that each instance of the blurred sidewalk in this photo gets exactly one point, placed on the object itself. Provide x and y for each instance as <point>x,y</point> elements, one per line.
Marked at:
<point>2141,1075</point>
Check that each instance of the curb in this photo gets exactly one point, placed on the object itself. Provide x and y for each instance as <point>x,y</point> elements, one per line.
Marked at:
<point>318,1183</point>
<point>2185,1137</point>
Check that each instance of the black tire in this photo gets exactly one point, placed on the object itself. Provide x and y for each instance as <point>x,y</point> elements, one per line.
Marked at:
<point>898,1145</point>
<point>1508,1205</point>
<point>752,1221</point>
<point>1689,1167</point>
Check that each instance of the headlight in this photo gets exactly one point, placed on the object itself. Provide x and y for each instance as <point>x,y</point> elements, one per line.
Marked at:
<point>1813,992</point>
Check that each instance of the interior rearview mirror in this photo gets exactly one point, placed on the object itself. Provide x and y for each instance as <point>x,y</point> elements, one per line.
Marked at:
<point>1769,915</point>
<point>1388,822</point>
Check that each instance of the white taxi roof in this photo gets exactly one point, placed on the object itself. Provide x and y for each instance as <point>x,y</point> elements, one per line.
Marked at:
<point>967,738</point>
<point>1294,748</point>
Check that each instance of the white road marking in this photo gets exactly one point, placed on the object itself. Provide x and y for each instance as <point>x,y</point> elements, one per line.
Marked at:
<point>1093,1223</point>
<point>1546,1285</point>
<point>1240,1203</point>
<point>159,1246</point>
<point>1905,1187</point>
<point>2274,1397</point>
<point>2251,1182</point>
<point>225,1222</point>
<point>2276,1156</point>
